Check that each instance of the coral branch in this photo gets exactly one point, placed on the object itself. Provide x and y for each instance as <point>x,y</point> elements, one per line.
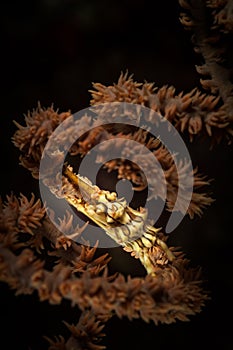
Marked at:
<point>32,138</point>
<point>41,257</point>
<point>208,44</point>
<point>30,157</point>
<point>194,112</point>
<point>174,294</point>
<point>86,335</point>
<point>14,224</point>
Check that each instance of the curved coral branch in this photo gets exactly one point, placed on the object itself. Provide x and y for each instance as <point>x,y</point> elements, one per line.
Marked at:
<point>32,147</point>
<point>174,294</point>
<point>194,112</point>
<point>211,42</point>
<point>20,215</point>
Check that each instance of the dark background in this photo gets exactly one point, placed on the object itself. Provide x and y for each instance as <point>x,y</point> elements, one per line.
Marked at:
<point>52,51</point>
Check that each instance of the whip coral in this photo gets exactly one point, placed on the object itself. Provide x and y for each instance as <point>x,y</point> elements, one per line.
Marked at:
<point>57,263</point>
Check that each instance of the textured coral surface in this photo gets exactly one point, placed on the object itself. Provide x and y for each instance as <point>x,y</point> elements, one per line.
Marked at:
<point>52,54</point>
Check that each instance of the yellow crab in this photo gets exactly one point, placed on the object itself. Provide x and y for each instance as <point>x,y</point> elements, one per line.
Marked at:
<point>127,226</point>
